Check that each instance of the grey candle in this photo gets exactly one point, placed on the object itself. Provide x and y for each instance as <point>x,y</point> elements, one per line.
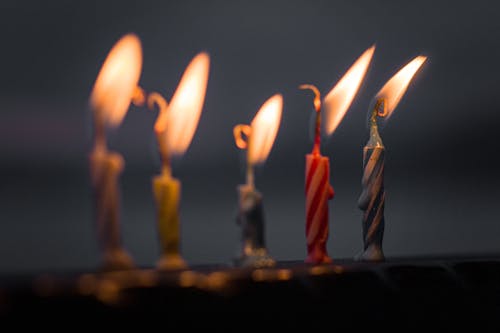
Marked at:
<point>260,136</point>
<point>251,220</point>
<point>372,199</point>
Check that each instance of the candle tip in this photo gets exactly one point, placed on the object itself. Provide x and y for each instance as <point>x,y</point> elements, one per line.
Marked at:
<point>317,95</point>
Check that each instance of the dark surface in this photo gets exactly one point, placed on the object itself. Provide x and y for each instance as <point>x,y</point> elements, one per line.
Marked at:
<point>428,292</point>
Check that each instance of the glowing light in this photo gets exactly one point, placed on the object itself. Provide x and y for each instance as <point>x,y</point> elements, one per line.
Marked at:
<point>117,81</point>
<point>264,129</point>
<point>394,89</point>
<point>339,99</point>
<point>284,274</point>
<point>188,279</point>
<point>182,115</point>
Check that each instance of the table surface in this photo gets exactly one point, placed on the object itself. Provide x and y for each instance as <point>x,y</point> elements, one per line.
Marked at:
<point>451,291</point>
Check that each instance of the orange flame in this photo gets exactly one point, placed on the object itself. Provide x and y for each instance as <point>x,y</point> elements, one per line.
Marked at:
<point>117,80</point>
<point>262,131</point>
<point>339,99</point>
<point>394,89</point>
<point>182,115</point>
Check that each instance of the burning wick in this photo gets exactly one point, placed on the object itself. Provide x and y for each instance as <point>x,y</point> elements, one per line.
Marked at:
<point>317,108</point>
<point>260,136</point>
<point>372,199</point>
<point>174,129</point>
<point>317,175</point>
<point>110,100</point>
<point>155,100</point>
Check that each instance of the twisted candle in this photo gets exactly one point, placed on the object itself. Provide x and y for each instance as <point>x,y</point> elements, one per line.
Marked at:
<point>372,199</point>
<point>318,191</point>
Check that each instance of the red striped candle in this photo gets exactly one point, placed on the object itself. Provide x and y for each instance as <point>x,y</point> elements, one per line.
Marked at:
<point>318,189</point>
<point>318,192</point>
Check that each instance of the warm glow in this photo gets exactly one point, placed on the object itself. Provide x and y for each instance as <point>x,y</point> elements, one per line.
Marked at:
<point>394,89</point>
<point>339,99</point>
<point>117,80</point>
<point>183,113</point>
<point>264,129</point>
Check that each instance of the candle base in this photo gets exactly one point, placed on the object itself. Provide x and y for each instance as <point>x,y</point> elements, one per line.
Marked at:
<point>318,256</point>
<point>259,258</point>
<point>372,253</point>
<point>171,262</point>
<point>117,259</point>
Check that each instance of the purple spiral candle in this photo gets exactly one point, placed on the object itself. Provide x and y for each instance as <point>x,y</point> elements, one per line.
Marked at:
<point>372,202</point>
<point>372,199</point>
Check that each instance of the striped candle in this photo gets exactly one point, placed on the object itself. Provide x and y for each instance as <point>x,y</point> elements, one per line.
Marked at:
<point>372,202</point>
<point>372,199</point>
<point>317,184</point>
<point>318,191</point>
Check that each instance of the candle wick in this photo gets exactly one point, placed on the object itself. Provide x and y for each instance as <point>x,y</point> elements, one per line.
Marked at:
<point>317,107</point>
<point>139,96</point>
<point>379,110</point>
<point>166,170</point>
<point>250,171</point>
<point>317,134</point>
<point>156,100</point>
<point>100,131</point>
<point>250,176</point>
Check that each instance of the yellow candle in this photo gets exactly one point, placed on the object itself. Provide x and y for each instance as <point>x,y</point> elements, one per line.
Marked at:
<point>174,128</point>
<point>167,192</point>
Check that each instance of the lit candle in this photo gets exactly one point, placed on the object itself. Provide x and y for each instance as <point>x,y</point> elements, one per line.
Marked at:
<point>372,199</point>
<point>174,129</point>
<point>317,184</point>
<point>110,100</point>
<point>260,136</point>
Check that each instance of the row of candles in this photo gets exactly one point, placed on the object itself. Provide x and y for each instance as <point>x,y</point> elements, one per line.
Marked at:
<point>117,87</point>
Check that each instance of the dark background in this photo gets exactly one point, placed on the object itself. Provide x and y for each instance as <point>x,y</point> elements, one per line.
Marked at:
<point>442,189</point>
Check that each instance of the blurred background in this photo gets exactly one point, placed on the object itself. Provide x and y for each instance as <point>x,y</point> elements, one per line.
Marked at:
<point>441,142</point>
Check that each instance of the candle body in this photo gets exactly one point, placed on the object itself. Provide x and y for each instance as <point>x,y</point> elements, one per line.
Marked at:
<point>318,192</point>
<point>372,202</point>
<point>251,220</point>
<point>105,170</point>
<point>167,195</point>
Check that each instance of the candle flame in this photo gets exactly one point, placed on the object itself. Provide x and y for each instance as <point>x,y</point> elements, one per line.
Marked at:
<point>183,114</point>
<point>262,131</point>
<point>395,88</point>
<point>339,99</point>
<point>117,81</point>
